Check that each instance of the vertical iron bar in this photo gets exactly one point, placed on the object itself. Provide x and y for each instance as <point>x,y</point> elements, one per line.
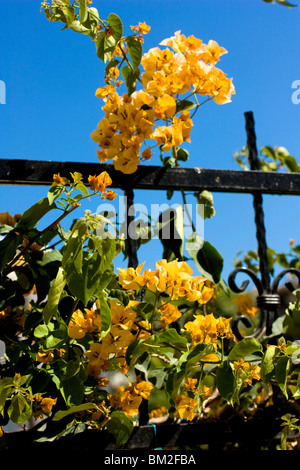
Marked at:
<point>131,242</point>
<point>258,205</point>
<point>133,263</point>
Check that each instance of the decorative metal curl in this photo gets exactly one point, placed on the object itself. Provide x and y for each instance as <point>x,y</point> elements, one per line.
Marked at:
<point>267,301</point>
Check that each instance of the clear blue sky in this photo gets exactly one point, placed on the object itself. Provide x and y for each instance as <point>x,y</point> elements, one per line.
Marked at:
<point>50,111</point>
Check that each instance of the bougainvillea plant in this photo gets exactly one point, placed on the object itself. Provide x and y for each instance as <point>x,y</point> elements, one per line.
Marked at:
<point>70,321</point>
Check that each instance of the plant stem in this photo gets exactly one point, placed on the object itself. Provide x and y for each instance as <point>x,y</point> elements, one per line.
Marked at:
<point>37,236</point>
<point>186,209</point>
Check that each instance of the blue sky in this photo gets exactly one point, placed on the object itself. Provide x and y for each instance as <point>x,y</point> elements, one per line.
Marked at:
<point>51,109</point>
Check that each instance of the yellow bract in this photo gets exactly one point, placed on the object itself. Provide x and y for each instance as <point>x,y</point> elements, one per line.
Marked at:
<point>186,407</point>
<point>129,121</point>
<point>208,329</point>
<point>174,277</point>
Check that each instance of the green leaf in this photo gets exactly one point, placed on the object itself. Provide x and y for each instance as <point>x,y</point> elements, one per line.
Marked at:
<point>19,410</point>
<point>281,373</point>
<point>54,296</point>
<point>57,337</point>
<point>197,354</point>
<point>185,105</point>
<point>32,215</point>
<point>79,28</point>
<point>267,366</point>
<point>69,12</point>
<point>106,45</point>
<point>72,391</point>
<point>105,315</point>
<point>135,50</point>
<point>6,389</point>
<point>73,409</point>
<point>130,76</point>
<point>182,154</point>
<point>111,63</point>
<point>41,331</point>
<point>226,382</point>
<point>83,11</point>
<point>120,426</point>
<point>208,261</point>
<point>206,204</point>
<point>172,338</point>
<point>84,284</point>
<point>285,3</point>
<point>73,251</point>
<point>54,192</point>
<point>244,348</point>
<point>291,164</point>
<point>81,187</point>
<point>137,348</point>
<point>8,248</point>
<point>116,24</point>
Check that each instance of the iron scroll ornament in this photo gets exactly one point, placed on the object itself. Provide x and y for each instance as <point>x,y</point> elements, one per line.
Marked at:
<point>268,300</point>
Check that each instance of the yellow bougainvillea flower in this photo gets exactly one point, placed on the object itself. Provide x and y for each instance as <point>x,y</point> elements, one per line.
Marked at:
<point>7,219</point>
<point>45,357</point>
<point>241,364</point>
<point>143,389</point>
<point>98,359</point>
<point>168,136</point>
<point>254,374</point>
<point>203,329</point>
<point>206,392</point>
<point>127,401</point>
<point>120,315</point>
<point>81,323</point>
<point>100,182</point>
<point>245,305</point>
<point>212,52</point>
<point>223,327</point>
<point>58,180</point>
<point>190,384</point>
<point>158,412</point>
<point>109,195</point>
<point>169,313</point>
<point>186,407</point>
<point>47,404</point>
<point>103,382</point>
<point>145,329</point>
<point>147,154</point>
<point>210,358</point>
<point>141,28</point>
<point>250,371</point>
<point>131,278</point>
<point>77,327</point>
<point>164,107</point>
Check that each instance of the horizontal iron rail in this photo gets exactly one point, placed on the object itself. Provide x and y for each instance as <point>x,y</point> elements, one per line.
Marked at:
<point>39,173</point>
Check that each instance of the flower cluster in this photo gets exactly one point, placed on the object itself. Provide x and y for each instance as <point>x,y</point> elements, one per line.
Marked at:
<point>42,405</point>
<point>128,399</point>
<point>185,68</point>
<point>173,277</point>
<point>208,329</point>
<point>111,349</point>
<point>247,371</point>
<point>97,183</point>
